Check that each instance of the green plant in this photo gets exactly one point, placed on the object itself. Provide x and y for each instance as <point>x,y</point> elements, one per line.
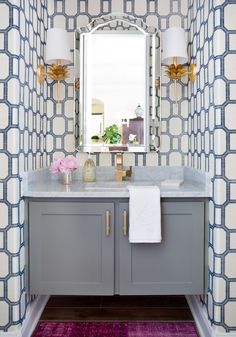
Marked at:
<point>95,137</point>
<point>111,134</point>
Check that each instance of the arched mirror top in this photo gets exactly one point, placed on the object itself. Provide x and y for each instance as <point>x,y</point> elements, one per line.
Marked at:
<point>117,92</point>
<point>112,20</point>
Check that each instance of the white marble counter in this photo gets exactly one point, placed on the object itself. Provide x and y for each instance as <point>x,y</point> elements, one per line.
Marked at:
<point>194,183</point>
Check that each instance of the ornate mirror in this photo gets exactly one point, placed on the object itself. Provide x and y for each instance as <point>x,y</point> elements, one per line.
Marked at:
<point>117,85</point>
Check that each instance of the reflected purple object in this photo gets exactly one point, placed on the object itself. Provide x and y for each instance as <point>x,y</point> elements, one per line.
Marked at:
<point>115,329</point>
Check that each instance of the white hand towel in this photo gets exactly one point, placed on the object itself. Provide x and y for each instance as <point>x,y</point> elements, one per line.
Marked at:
<point>144,214</point>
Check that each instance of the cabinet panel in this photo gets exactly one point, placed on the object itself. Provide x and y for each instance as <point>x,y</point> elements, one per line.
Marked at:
<point>71,251</point>
<point>174,266</point>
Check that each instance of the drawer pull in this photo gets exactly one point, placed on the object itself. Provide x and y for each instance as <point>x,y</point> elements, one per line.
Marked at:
<point>108,225</point>
<point>125,225</point>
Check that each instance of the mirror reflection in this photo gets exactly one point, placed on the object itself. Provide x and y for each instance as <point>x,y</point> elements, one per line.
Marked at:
<point>116,86</point>
<point>113,98</point>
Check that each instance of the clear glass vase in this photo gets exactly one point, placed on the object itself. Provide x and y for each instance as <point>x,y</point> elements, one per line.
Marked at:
<point>66,178</point>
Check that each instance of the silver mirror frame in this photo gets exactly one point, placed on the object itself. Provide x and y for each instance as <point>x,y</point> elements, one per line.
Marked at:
<point>154,96</point>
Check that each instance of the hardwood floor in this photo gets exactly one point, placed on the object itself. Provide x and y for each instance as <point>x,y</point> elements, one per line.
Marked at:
<point>117,308</point>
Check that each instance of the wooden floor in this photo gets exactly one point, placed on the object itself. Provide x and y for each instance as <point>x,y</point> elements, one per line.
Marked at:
<point>117,308</point>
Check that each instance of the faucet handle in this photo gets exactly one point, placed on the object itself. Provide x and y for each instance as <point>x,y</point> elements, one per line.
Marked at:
<point>119,159</point>
<point>129,172</point>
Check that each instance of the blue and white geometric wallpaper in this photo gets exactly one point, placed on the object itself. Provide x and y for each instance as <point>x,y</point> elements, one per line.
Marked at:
<point>23,129</point>
<point>200,131</point>
<point>158,13</point>
<point>212,147</point>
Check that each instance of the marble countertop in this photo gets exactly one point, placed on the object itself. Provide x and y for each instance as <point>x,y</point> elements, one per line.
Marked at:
<point>194,183</point>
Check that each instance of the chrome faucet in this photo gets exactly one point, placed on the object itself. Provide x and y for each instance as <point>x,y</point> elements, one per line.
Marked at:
<point>120,172</point>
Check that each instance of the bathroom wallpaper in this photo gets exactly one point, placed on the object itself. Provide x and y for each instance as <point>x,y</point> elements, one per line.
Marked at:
<point>33,128</point>
<point>199,131</point>
<point>212,147</point>
<point>23,129</point>
<point>174,127</point>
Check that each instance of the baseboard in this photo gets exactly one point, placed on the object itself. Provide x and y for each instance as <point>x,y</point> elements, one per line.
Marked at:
<point>224,334</point>
<point>200,317</point>
<point>33,314</point>
<point>11,334</point>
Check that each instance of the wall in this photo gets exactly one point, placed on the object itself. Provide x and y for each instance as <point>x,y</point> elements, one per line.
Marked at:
<point>212,134</point>
<point>23,128</point>
<point>200,131</point>
<point>161,14</point>
<point>33,130</point>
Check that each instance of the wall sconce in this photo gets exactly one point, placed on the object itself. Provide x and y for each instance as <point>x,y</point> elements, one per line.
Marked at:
<point>175,55</point>
<point>57,56</point>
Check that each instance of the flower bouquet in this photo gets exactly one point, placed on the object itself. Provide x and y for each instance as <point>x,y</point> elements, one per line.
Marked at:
<point>65,166</point>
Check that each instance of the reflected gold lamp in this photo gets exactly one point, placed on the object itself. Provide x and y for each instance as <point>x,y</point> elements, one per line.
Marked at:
<point>175,55</point>
<point>58,57</point>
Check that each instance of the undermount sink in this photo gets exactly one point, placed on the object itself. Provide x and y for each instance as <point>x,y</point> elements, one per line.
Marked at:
<point>171,183</point>
<point>101,185</point>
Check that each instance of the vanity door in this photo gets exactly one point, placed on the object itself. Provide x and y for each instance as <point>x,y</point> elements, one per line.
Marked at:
<point>174,266</point>
<point>71,248</point>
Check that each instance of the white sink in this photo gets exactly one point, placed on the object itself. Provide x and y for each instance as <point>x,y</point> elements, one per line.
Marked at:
<point>171,183</point>
<point>101,185</point>
<point>111,185</point>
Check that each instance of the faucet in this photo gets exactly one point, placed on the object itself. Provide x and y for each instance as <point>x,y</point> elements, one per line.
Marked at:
<point>120,172</point>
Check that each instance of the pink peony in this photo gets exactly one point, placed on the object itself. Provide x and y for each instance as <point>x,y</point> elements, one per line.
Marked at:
<point>64,165</point>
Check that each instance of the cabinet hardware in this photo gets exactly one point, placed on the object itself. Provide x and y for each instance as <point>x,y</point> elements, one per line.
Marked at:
<point>108,225</point>
<point>125,225</point>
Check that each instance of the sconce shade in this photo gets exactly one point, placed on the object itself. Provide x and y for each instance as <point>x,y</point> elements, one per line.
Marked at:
<point>174,45</point>
<point>58,46</point>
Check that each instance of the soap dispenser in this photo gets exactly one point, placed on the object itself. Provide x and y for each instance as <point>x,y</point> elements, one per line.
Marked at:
<point>89,170</point>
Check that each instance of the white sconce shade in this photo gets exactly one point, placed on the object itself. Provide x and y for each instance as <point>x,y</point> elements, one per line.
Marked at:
<point>58,46</point>
<point>174,45</point>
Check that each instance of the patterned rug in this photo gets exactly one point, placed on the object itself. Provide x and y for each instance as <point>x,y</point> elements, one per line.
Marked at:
<point>115,329</point>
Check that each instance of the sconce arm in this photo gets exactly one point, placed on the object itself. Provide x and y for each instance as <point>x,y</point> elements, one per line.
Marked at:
<point>41,73</point>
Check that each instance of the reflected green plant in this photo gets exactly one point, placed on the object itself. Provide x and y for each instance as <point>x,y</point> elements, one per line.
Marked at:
<point>111,134</point>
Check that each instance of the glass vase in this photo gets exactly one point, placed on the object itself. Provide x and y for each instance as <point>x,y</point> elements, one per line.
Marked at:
<point>66,178</point>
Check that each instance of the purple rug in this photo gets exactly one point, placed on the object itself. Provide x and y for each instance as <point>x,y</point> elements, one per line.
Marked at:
<point>115,329</point>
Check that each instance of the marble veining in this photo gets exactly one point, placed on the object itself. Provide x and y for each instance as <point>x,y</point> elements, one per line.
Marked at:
<point>195,183</point>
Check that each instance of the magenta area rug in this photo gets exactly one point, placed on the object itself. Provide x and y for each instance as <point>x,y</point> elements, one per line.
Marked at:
<point>115,329</point>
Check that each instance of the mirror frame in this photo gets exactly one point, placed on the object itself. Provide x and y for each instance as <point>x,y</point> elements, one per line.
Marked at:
<point>154,89</point>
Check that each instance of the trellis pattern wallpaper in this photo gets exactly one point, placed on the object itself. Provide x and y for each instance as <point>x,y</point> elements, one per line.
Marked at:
<point>200,131</point>
<point>174,127</point>
<point>23,128</point>
<point>212,147</point>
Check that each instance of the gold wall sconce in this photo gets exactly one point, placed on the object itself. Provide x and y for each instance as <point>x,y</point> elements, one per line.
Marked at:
<point>58,57</point>
<point>175,56</point>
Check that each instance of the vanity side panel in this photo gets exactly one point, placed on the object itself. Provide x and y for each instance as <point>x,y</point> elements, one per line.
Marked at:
<point>70,251</point>
<point>206,247</point>
<point>26,240</point>
<point>174,266</point>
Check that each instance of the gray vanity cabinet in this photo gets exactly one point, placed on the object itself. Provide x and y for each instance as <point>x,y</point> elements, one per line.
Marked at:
<point>81,247</point>
<point>174,266</point>
<point>71,248</point>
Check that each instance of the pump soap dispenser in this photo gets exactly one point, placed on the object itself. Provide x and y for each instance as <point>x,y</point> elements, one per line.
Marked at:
<point>89,170</point>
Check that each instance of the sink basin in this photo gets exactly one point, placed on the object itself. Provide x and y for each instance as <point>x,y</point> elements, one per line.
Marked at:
<point>171,183</point>
<point>111,185</point>
<point>101,185</point>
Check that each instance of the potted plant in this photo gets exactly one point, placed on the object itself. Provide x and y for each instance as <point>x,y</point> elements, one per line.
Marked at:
<point>95,139</point>
<point>111,134</point>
